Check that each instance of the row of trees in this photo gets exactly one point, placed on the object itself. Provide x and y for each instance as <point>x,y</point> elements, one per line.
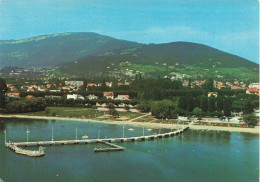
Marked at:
<point>26,105</point>
<point>206,104</point>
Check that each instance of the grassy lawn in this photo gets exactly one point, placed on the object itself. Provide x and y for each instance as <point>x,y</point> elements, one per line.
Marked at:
<point>147,68</point>
<point>74,112</point>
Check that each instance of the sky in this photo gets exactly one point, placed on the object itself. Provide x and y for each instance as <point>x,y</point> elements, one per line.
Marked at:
<point>228,25</point>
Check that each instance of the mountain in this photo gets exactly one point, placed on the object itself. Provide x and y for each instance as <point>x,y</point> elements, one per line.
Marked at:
<point>176,58</point>
<point>49,50</point>
<point>91,54</point>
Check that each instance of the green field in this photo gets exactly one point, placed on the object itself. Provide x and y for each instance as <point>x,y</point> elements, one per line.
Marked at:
<point>146,68</point>
<point>73,112</point>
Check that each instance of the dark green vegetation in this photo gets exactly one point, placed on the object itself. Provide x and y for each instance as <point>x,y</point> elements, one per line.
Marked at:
<point>49,50</point>
<point>3,89</point>
<point>172,59</point>
<point>90,54</point>
<point>164,97</point>
<point>250,119</point>
<point>26,105</point>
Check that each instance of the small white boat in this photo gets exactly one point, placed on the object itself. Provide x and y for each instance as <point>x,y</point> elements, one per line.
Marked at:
<point>85,137</point>
<point>149,129</point>
<point>131,129</point>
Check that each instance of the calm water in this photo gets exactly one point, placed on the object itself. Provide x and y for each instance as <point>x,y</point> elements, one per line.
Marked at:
<point>192,156</point>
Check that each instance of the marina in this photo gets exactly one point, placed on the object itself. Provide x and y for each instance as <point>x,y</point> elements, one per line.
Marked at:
<point>15,146</point>
<point>160,155</point>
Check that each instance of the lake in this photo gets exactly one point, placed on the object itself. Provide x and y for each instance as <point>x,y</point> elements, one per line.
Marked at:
<point>192,156</point>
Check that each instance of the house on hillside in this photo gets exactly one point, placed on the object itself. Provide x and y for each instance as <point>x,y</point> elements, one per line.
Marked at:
<point>254,85</point>
<point>30,96</point>
<point>90,85</point>
<point>109,95</point>
<point>122,97</point>
<point>253,91</point>
<point>234,87</point>
<point>92,97</point>
<point>74,83</point>
<point>30,90</point>
<point>13,95</point>
<point>109,84</point>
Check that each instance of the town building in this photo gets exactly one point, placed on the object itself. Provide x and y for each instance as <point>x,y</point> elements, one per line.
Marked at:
<point>122,97</point>
<point>75,96</point>
<point>13,95</point>
<point>92,97</point>
<point>254,85</point>
<point>109,95</point>
<point>253,91</point>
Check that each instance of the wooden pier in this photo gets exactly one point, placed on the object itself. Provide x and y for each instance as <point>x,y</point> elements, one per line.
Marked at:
<point>106,141</point>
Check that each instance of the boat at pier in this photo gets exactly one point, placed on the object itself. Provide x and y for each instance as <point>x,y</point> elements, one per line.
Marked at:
<point>85,137</point>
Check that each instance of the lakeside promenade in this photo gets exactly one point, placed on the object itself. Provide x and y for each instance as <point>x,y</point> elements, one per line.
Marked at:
<point>143,124</point>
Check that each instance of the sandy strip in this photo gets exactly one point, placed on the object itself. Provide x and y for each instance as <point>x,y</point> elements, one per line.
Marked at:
<point>145,124</point>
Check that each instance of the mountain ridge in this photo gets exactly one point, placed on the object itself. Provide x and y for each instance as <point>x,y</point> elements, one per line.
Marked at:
<point>87,53</point>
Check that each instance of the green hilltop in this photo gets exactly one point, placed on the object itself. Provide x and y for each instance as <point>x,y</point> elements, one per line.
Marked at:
<point>50,50</point>
<point>176,58</point>
<point>91,54</point>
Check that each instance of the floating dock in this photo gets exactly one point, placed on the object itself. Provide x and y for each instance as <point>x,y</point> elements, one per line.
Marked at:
<point>113,147</point>
<point>106,141</point>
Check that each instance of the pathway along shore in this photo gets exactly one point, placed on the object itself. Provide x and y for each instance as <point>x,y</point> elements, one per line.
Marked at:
<point>144,124</point>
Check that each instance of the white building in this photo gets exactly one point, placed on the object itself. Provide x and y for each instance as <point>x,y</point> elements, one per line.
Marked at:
<point>92,97</point>
<point>254,85</point>
<point>122,97</point>
<point>75,83</point>
<point>75,96</point>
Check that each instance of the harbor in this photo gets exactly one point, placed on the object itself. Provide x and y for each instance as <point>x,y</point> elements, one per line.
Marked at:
<point>15,146</point>
<point>160,155</point>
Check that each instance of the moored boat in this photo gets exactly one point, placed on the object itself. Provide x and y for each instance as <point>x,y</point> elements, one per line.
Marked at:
<point>85,137</point>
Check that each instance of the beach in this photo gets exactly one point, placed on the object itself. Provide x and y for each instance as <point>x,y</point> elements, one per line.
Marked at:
<point>144,124</point>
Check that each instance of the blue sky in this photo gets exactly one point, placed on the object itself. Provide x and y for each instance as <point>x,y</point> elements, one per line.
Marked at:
<point>229,25</point>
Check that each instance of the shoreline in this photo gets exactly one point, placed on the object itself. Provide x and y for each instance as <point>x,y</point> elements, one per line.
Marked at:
<point>144,124</point>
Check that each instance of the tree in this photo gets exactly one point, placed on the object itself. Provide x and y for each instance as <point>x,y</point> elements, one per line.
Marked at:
<point>182,103</point>
<point>3,89</point>
<point>110,106</point>
<point>143,107</point>
<point>249,108</point>
<point>227,106</point>
<point>189,104</point>
<point>219,103</point>
<point>114,113</point>
<point>204,104</point>
<point>197,111</point>
<point>211,104</point>
<point>196,102</point>
<point>250,119</point>
<point>209,85</point>
<point>112,110</point>
<point>163,109</point>
<point>127,108</point>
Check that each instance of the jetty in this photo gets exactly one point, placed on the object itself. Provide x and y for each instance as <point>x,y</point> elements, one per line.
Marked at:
<point>106,141</point>
<point>112,147</point>
<point>30,153</point>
